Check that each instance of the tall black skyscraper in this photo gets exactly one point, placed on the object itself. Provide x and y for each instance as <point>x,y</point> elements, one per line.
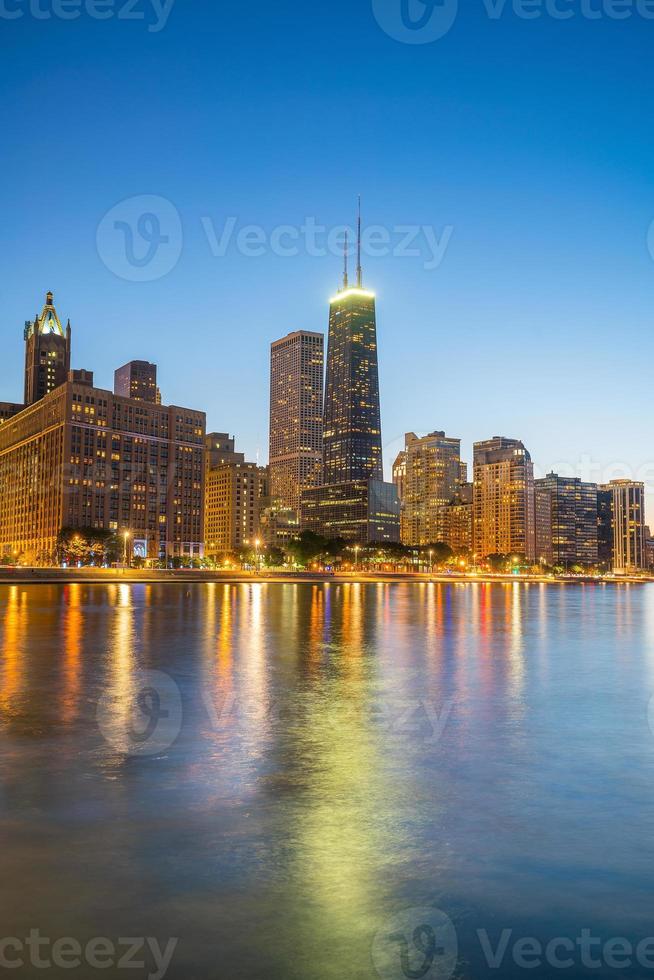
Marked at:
<point>352,420</point>
<point>47,353</point>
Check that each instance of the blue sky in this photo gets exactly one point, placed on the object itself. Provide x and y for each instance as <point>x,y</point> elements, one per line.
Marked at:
<point>530,140</point>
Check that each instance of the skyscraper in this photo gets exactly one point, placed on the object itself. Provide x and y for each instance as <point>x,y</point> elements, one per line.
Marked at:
<point>296,432</point>
<point>47,353</point>
<point>573,519</point>
<point>628,525</point>
<point>137,379</point>
<point>503,499</point>
<point>433,472</point>
<point>353,502</point>
<point>352,417</point>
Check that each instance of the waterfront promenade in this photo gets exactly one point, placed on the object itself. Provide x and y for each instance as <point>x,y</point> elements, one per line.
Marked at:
<point>27,576</point>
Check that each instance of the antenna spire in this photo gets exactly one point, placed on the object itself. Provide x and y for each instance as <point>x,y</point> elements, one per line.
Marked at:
<point>359,274</point>
<point>345,262</point>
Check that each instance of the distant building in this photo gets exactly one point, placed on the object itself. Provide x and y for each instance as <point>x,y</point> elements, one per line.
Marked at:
<point>83,457</point>
<point>503,499</point>
<point>352,417</point>
<point>628,526</point>
<point>220,448</point>
<point>605,527</point>
<point>572,520</point>
<point>649,549</point>
<point>278,525</point>
<point>296,403</point>
<point>457,520</point>
<point>399,474</point>
<point>47,353</point>
<point>8,410</point>
<point>234,496</point>
<point>543,520</point>
<point>137,379</point>
<point>362,511</point>
<point>432,479</point>
<point>353,502</point>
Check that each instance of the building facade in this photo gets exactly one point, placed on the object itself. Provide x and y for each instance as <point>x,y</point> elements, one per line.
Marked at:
<point>220,448</point>
<point>137,379</point>
<point>628,507</point>
<point>431,481</point>
<point>47,353</point>
<point>572,520</point>
<point>457,521</point>
<point>352,416</point>
<point>296,403</point>
<point>605,527</point>
<point>353,501</point>
<point>503,499</point>
<point>361,511</point>
<point>82,457</point>
<point>235,494</point>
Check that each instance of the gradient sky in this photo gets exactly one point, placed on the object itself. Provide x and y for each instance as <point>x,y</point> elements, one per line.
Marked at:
<point>531,139</point>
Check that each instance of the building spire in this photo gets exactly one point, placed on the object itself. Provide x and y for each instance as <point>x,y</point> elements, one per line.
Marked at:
<point>345,262</point>
<point>359,274</point>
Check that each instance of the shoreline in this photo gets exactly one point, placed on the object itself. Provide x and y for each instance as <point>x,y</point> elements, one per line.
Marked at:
<point>127,576</point>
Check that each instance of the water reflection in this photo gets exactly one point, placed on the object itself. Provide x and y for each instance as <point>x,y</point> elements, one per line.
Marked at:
<point>346,750</point>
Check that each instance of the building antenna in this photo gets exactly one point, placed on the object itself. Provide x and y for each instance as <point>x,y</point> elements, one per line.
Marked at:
<point>345,262</point>
<point>359,277</point>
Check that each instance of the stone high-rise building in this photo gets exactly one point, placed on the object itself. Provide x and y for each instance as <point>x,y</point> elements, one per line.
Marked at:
<point>296,402</point>
<point>47,353</point>
<point>503,499</point>
<point>433,475</point>
<point>234,498</point>
<point>82,457</point>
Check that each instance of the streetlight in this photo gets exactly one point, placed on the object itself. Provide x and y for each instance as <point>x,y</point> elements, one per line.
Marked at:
<point>431,567</point>
<point>257,545</point>
<point>126,536</point>
<point>356,556</point>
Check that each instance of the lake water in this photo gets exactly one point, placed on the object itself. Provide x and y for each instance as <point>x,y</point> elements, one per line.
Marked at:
<point>330,782</point>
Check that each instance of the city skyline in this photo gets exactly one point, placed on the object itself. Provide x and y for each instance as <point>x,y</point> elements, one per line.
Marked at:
<point>547,264</point>
<point>581,465</point>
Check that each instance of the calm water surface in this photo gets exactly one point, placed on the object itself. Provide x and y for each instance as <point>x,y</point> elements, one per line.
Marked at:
<point>275,773</point>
